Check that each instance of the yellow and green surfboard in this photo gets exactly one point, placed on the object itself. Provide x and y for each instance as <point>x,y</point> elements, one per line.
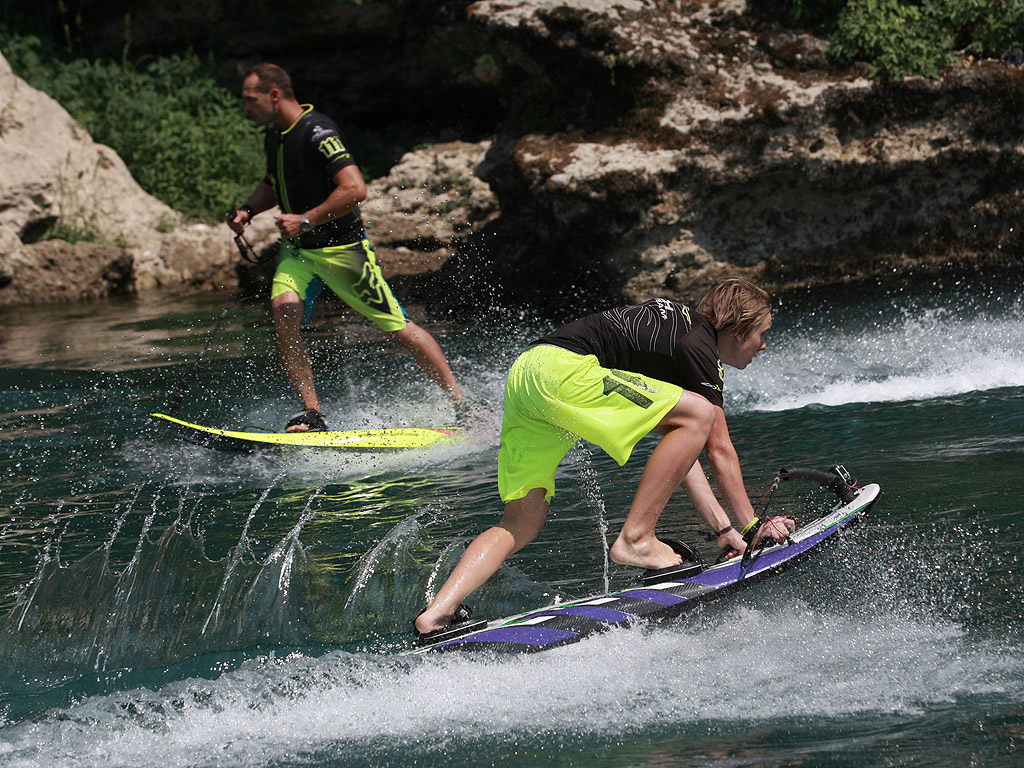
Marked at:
<point>394,439</point>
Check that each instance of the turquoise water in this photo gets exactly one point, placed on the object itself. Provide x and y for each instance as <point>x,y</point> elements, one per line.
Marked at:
<point>165,605</point>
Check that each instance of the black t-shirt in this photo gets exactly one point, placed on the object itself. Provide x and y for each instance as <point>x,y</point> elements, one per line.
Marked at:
<point>660,338</point>
<point>301,163</point>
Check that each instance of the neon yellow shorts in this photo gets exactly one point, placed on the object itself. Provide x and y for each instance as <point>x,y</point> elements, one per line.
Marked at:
<point>351,271</point>
<point>554,397</point>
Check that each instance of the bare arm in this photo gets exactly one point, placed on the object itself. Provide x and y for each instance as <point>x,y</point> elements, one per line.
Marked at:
<point>725,467</point>
<point>703,498</point>
<point>349,191</point>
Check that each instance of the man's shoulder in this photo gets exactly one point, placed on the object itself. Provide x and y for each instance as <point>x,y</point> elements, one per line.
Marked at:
<point>316,124</point>
<point>672,311</point>
<point>324,135</point>
<point>315,117</point>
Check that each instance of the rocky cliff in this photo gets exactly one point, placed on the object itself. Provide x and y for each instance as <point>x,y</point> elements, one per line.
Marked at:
<point>640,148</point>
<point>737,147</point>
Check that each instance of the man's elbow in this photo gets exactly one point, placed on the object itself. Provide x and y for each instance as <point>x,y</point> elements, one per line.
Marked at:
<point>719,455</point>
<point>355,194</point>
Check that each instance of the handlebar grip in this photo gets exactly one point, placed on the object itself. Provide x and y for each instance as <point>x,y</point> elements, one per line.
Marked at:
<point>837,480</point>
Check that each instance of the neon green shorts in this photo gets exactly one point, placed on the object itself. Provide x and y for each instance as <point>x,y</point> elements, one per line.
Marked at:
<point>351,271</point>
<point>554,397</point>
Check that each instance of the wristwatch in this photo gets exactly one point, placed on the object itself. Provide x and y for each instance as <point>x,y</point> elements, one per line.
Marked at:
<point>304,225</point>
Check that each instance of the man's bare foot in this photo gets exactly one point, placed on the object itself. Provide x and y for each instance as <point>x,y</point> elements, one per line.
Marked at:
<point>649,553</point>
<point>305,421</point>
<point>431,621</point>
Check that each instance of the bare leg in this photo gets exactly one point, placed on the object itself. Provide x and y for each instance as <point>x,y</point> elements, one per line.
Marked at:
<point>428,355</point>
<point>686,428</point>
<point>291,348</point>
<point>520,525</point>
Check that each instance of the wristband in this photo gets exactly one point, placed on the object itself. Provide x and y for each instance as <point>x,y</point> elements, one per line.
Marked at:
<point>723,531</point>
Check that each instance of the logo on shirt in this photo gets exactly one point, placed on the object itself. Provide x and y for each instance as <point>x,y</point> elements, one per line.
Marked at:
<point>721,378</point>
<point>666,307</point>
<point>332,147</point>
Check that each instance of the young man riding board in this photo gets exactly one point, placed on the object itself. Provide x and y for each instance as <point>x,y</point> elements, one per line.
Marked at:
<point>611,378</point>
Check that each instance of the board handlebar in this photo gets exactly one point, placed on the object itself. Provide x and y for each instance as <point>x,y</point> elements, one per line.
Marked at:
<point>837,480</point>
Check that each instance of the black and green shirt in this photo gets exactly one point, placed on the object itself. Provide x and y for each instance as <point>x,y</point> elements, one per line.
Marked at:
<point>660,338</point>
<point>301,164</point>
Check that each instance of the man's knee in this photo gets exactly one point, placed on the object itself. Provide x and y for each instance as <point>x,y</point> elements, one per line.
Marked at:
<point>691,411</point>
<point>408,331</point>
<point>409,337</point>
<point>524,518</point>
<point>286,312</point>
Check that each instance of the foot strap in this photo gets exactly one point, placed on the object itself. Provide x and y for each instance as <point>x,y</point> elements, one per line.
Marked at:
<point>692,564</point>
<point>309,418</point>
<point>462,624</point>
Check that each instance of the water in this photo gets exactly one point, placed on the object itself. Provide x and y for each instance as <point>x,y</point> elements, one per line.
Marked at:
<point>165,605</point>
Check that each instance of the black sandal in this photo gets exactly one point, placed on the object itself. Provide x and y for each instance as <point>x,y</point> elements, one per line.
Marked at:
<point>692,564</point>
<point>310,418</point>
<point>462,624</point>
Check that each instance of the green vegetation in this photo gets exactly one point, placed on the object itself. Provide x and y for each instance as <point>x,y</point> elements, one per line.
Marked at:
<point>900,38</point>
<point>76,212</point>
<point>462,187</point>
<point>182,136</point>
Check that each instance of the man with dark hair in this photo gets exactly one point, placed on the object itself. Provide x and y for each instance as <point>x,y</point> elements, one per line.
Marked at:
<point>611,378</point>
<point>314,180</point>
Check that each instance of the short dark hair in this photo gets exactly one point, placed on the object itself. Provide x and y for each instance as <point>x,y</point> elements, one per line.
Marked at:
<point>271,76</point>
<point>735,306</point>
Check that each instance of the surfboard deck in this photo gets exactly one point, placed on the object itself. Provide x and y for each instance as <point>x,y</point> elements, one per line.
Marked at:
<point>367,440</point>
<point>565,623</point>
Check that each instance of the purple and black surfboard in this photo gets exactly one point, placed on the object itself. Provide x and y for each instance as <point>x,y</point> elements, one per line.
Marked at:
<point>566,623</point>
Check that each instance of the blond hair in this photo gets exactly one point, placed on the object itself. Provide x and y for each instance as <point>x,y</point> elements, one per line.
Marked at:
<point>735,306</point>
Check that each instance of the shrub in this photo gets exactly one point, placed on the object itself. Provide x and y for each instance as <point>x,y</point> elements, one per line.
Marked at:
<point>899,38</point>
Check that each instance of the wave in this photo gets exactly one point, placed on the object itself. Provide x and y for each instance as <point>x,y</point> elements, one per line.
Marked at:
<point>795,663</point>
<point>883,355</point>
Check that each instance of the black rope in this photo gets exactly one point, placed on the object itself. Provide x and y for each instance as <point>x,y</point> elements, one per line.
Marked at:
<point>245,247</point>
<point>757,522</point>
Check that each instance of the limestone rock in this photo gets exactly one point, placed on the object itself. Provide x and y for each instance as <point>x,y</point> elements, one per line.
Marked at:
<point>427,204</point>
<point>641,148</point>
<point>62,271</point>
<point>55,174</point>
